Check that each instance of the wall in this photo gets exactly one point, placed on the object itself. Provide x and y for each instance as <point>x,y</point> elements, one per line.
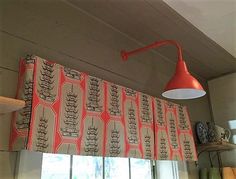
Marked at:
<point>8,80</point>
<point>71,37</point>
<point>29,165</point>
<point>223,100</point>
<point>7,164</point>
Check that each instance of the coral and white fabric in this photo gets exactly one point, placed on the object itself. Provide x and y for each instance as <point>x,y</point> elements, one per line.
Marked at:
<point>73,113</point>
<point>173,134</point>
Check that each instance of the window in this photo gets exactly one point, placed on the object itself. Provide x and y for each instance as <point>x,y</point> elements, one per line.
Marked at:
<point>58,166</point>
<point>55,166</point>
<point>116,168</point>
<point>86,167</point>
<point>167,169</point>
<point>232,126</point>
<point>140,169</point>
<point>171,170</point>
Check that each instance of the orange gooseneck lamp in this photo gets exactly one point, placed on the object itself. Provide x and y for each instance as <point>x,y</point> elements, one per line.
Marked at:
<point>182,85</point>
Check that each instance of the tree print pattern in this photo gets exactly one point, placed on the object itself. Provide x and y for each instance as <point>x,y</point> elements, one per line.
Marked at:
<point>148,151</point>
<point>94,95</point>
<point>23,122</point>
<point>170,105</point>
<point>183,124</point>
<point>130,92</point>
<point>145,109</point>
<point>95,117</point>
<point>46,82</point>
<point>115,147</point>
<point>173,137</point>
<point>132,127</point>
<point>30,59</point>
<point>72,73</point>
<point>163,148</point>
<point>134,153</point>
<point>91,143</point>
<point>160,120</point>
<point>42,134</point>
<point>114,102</point>
<point>71,115</point>
<point>188,154</point>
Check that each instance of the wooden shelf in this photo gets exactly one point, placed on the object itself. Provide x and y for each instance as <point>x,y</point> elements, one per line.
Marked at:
<point>216,146</point>
<point>8,105</point>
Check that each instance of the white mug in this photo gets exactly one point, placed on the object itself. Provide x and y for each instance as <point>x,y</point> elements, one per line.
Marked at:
<point>222,133</point>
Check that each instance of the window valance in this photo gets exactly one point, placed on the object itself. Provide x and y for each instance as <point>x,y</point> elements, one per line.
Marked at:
<point>70,112</point>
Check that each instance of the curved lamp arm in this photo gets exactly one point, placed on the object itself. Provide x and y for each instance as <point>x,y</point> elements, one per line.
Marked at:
<point>125,54</point>
<point>182,85</point>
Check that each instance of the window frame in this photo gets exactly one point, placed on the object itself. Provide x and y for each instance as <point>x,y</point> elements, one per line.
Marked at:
<point>153,167</point>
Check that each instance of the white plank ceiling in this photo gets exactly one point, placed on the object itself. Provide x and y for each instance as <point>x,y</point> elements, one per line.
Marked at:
<point>146,21</point>
<point>215,18</point>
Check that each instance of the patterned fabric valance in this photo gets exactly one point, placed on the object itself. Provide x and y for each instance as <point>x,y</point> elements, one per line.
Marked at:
<point>73,113</point>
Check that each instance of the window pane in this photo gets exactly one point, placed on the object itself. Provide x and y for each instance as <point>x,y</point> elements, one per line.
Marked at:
<point>234,139</point>
<point>87,167</point>
<point>116,168</point>
<point>55,166</point>
<point>167,169</point>
<point>140,169</point>
<point>232,124</point>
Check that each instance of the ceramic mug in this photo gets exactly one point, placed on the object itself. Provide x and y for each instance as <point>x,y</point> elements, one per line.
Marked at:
<point>222,133</point>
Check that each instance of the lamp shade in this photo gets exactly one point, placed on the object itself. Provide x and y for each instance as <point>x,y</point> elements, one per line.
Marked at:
<point>183,85</point>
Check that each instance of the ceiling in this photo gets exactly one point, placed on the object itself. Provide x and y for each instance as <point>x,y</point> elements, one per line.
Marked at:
<point>215,18</point>
<point>146,21</point>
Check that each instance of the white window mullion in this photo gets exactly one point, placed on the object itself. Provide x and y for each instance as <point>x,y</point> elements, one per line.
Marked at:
<point>174,169</point>
<point>129,169</point>
<point>153,165</point>
<point>103,167</point>
<point>71,165</point>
